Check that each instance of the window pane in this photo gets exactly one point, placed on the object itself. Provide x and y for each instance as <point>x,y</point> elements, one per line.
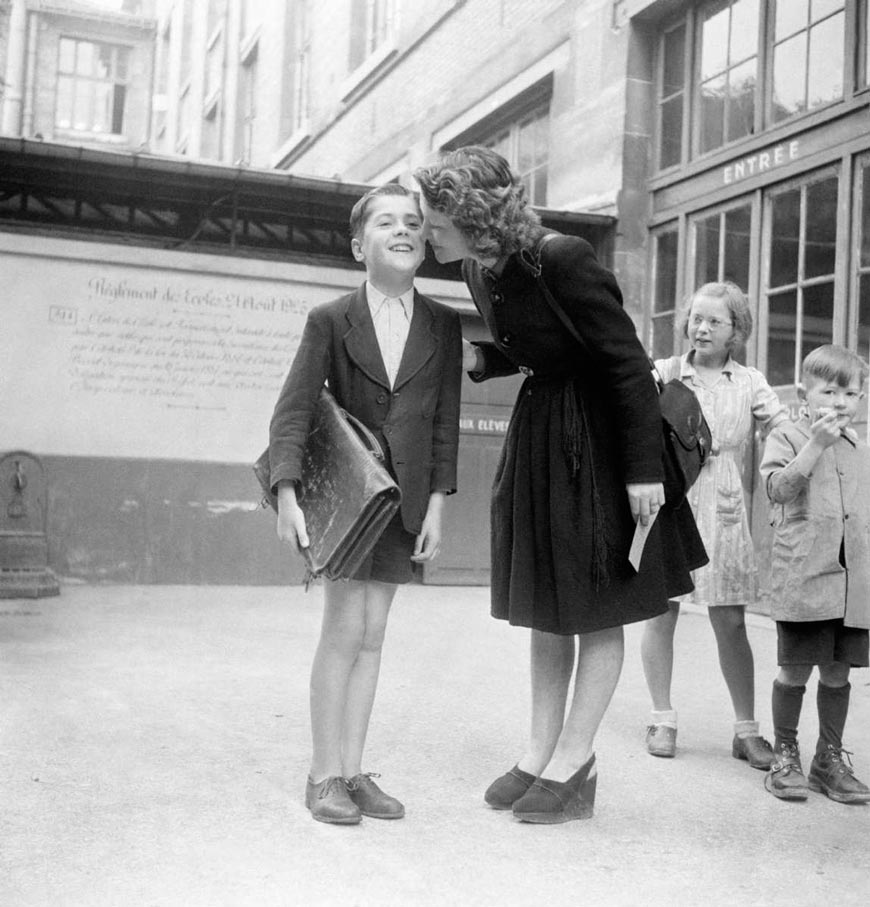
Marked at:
<point>712,103</point>
<point>789,71</point>
<point>82,106</point>
<point>744,30</point>
<point>741,102</point>
<point>864,316</point>
<point>102,116</point>
<point>673,67</point>
<point>84,58</point>
<point>826,62</point>
<point>791,15</point>
<point>63,115</point>
<point>822,8</point>
<point>818,317</point>
<point>66,55</point>
<point>781,338</point>
<point>738,227</point>
<point>821,228</point>
<point>666,272</point>
<point>671,132</point>
<point>103,62</point>
<point>707,250</point>
<point>714,39</point>
<point>122,58</point>
<point>785,238</point>
<point>663,336</point>
<point>120,94</point>
<point>539,186</point>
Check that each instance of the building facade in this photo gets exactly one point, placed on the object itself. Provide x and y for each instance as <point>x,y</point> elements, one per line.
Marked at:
<point>77,73</point>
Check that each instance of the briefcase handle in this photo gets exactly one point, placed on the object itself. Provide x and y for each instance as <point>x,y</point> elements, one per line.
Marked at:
<point>366,436</point>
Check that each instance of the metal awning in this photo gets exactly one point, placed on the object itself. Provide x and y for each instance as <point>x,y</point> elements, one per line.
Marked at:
<point>175,203</point>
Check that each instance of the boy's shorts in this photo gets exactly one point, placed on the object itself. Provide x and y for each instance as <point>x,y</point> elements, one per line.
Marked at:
<point>390,559</point>
<point>821,642</point>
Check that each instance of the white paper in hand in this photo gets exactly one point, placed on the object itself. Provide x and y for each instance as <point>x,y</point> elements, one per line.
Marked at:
<point>640,536</point>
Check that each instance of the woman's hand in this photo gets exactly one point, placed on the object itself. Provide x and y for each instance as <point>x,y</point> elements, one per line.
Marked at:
<point>645,500</point>
<point>470,360</point>
<point>291,520</point>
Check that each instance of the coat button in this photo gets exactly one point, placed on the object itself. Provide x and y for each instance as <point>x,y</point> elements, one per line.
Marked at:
<point>507,339</point>
<point>497,298</point>
<point>528,372</point>
<point>382,398</point>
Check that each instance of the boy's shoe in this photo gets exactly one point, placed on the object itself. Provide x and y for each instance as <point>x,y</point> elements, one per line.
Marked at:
<point>508,788</point>
<point>786,778</point>
<point>329,802</point>
<point>661,740</point>
<point>370,799</point>
<point>831,774</point>
<point>755,750</point>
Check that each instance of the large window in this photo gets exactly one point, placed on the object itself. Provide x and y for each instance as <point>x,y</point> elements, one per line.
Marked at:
<point>728,72</point>
<point>525,143</point>
<point>730,68</point>
<point>91,86</point>
<point>808,56</point>
<point>801,251</point>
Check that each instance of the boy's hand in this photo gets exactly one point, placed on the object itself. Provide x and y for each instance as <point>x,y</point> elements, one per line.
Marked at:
<point>428,542</point>
<point>825,431</point>
<point>291,520</point>
<point>469,357</point>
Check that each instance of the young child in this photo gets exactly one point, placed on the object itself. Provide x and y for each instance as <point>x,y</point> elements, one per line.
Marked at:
<point>735,399</point>
<point>392,358</point>
<point>817,474</point>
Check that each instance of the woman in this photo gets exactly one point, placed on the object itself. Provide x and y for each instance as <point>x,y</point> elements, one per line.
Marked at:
<point>581,465</point>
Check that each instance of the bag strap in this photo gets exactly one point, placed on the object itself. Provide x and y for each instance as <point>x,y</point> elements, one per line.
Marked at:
<point>532,261</point>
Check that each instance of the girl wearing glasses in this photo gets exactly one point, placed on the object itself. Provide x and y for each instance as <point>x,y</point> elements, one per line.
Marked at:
<point>735,398</point>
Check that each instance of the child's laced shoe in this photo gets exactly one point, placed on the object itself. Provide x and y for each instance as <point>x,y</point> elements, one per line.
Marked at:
<point>831,773</point>
<point>786,778</point>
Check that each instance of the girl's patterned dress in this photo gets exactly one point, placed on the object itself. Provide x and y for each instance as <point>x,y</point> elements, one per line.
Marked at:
<point>739,400</point>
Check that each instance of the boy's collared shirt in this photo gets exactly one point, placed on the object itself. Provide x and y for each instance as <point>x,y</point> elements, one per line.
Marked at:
<point>812,516</point>
<point>392,320</point>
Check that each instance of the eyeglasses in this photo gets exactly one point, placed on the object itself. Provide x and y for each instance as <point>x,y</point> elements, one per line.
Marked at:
<point>713,323</point>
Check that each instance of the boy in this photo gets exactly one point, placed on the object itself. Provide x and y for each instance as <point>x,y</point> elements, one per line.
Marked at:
<point>392,358</point>
<point>817,473</point>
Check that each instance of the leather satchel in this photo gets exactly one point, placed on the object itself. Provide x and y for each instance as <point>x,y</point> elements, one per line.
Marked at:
<point>687,439</point>
<point>345,493</point>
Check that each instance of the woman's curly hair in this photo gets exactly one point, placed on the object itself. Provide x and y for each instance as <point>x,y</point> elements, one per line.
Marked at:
<point>476,188</point>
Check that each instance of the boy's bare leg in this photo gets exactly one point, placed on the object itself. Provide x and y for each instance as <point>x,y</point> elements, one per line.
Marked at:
<point>363,679</point>
<point>341,636</point>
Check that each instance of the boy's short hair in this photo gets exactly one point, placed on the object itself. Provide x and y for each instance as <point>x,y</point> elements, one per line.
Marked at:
<point>360,211</point>
<point>836,364</point>
<point>738,308</point>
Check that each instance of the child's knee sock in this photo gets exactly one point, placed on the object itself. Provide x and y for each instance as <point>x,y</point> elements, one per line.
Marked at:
<point>833,705</point>
<point>786,703</point>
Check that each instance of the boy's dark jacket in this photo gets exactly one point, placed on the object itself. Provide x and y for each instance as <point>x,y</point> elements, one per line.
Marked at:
<point>417,421</point>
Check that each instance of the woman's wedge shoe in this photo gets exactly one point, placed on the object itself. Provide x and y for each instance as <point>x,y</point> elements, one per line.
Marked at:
<point>552,802</point>
<point>506,790</point>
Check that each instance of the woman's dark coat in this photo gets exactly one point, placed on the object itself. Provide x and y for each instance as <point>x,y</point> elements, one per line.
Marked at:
<point>560,536</point>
